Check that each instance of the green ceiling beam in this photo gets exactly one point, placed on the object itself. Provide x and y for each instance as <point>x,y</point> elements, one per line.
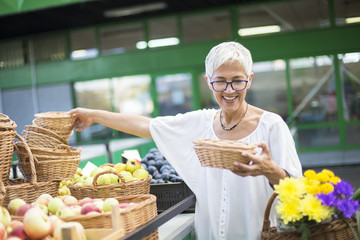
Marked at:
<point>8,7</point>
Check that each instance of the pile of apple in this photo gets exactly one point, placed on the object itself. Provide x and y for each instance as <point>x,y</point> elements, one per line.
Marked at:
<point>130,171</point>
<point>35,225</point>
<point>160,169</point>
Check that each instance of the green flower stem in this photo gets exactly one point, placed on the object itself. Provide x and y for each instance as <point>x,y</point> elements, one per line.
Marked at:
<point>358,220</point>
<point>352,229</point>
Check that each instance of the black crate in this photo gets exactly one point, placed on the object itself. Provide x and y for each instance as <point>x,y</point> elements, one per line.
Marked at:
<point>168,194</point>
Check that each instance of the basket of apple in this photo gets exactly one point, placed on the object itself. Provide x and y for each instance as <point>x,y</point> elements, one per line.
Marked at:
<point>91,213</point>
<point>110,180</point>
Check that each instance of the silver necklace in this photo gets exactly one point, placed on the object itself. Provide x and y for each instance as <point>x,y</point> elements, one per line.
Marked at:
<point>231,128</point>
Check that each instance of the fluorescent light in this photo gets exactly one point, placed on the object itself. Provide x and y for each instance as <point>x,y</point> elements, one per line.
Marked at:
<point>141,45</point>
<point>163,42</point>
<point>259,30</point>
<point>84,53</point>
<point>121,12</point>
<point>352,20</point>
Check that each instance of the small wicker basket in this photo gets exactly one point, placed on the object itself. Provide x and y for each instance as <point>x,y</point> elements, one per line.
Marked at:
<point>134,187</point>
<point>221,153</point>
<point>51,164</point>
<point>334,230</point>
<point>59,122</point>
<point>30,191</point>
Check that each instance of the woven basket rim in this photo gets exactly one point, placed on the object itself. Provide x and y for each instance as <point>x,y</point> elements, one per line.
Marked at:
<point>45,131</point>
<point>51,151</point>
<point>53,115</point>
<point>224,143</point>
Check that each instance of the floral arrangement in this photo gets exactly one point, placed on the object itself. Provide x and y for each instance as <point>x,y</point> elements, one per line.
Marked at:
<point>316,198</point>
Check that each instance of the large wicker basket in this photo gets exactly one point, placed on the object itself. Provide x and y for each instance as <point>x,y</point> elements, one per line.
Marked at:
<point>7,136</point>
<point>221,153</point>
<point>41,137</point>
<point>51,164</point>
<point>131,217</point>
<point>334,230</point>
<point>59,122</point>
<point>29,191</point>
<point>123,188</point>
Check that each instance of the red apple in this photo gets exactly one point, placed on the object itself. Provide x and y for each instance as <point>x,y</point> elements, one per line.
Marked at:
<point>2,232</point>
<point>18,232</point>
<point>123,205</point>
<point>13,238</point>
<point>36,223</point>
<point>13,225</point>
<point>85,200</point>
<point>14,204</point>
<point>23,209</point>
<point>89,207</point>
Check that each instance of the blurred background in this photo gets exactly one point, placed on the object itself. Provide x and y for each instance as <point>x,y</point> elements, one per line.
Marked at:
<point>147,57</point>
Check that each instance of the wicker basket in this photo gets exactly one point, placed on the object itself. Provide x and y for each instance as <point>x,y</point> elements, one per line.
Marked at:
<point>221,153</point>
<point>59,122</point>
<point>135,187</point>
<point>55,164</point>
<point>29,192</point>
<point>131,217</point>
<point>334,230</point>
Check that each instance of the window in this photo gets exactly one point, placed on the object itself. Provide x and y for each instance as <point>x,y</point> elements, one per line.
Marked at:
<point>285,16</point>
<point>11,54</point>
<point>174,93</point>
<point>50,48</point>
<point>268,88</point>
<point>207,98</point>
<point>208,26</point>
<point>83,44</point>
<point>120,39</point>
<point>162,28</point>
<point>94,94</point>
<point>347,12</point>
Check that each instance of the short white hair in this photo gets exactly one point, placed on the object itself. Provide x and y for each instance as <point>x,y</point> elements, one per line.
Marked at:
<point>227,53</point>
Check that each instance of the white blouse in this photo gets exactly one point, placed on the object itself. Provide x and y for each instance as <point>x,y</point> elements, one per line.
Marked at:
<point>228,206</point>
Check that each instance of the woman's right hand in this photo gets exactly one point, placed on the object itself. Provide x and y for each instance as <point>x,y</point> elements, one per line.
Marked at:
<point>83,118</point>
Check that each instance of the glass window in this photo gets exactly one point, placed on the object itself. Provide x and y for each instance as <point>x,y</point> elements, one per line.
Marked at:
<point>120,39</point>
<point>207,98</point>
<point>50,48</point>
<point>318,137</point>
<point>347,12</point>
<point>94,94</point>
<point>268,88</point>
<point>174,93</point>
<point>350,79</point>
<point>83,44</point>
<point>283,16</point>
<point>132,95</point>
<point>162,28</point>
<point>207,26</point>
<point>352,134</point>
<point>313,89</point>
<point>11,54</point>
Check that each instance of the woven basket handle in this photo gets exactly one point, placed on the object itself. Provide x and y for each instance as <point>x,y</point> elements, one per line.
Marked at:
<point>2,189</point>
<point>107,164</point>
<point>31,159</point>
<point>266,223</point>
<point>123,184</point>
<point>63,146</point>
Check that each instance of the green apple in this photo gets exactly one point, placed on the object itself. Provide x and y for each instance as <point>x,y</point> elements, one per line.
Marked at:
<point>127,175</point>
<point>55,204</point>
<point>96,171</point>
<point>132,165</point>
<point>104,179</point>
<point>140,173</point>
<point>120,167</point>
<point>108,203</point>
<point>114,178</point>
<point>14,204</point>
<point>5,217</point>
<point>88,181</point>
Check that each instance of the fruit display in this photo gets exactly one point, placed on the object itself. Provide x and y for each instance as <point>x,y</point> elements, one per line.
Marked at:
<point>35,224</point>
<point>159,168</point>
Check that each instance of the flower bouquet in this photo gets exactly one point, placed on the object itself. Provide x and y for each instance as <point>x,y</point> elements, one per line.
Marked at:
<point>315,206</point>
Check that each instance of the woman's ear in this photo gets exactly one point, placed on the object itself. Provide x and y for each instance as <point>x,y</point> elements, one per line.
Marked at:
<point>208,82</point>
<point>250,80</point>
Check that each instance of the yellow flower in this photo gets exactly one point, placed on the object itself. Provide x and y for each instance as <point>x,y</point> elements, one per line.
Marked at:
<point>335,180</point>
<point>312,207</point>
<point>312,186</point>
<point>326,188</point>
<point>322,177</point>
<point>328,172</point>
<point>290,210</point>
<point>310,174</point>
<point>290,188</point>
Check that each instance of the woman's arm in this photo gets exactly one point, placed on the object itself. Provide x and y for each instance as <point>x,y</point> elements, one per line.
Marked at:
<point>129,123</point>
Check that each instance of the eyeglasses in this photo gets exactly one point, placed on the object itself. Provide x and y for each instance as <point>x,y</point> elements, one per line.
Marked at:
<point>236,85</point>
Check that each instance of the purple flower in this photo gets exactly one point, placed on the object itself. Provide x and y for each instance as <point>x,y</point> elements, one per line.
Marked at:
<point>327,199</point>
<point>348,207</point>
<point>343,188</point>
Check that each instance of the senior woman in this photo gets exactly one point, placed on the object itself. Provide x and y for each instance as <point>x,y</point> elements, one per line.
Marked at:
<point>229,205</point>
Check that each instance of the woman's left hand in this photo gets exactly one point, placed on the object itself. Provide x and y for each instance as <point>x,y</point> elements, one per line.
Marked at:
<point>260,164</point>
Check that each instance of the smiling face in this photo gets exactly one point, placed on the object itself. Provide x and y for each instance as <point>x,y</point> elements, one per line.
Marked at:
<point>230,100</point>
